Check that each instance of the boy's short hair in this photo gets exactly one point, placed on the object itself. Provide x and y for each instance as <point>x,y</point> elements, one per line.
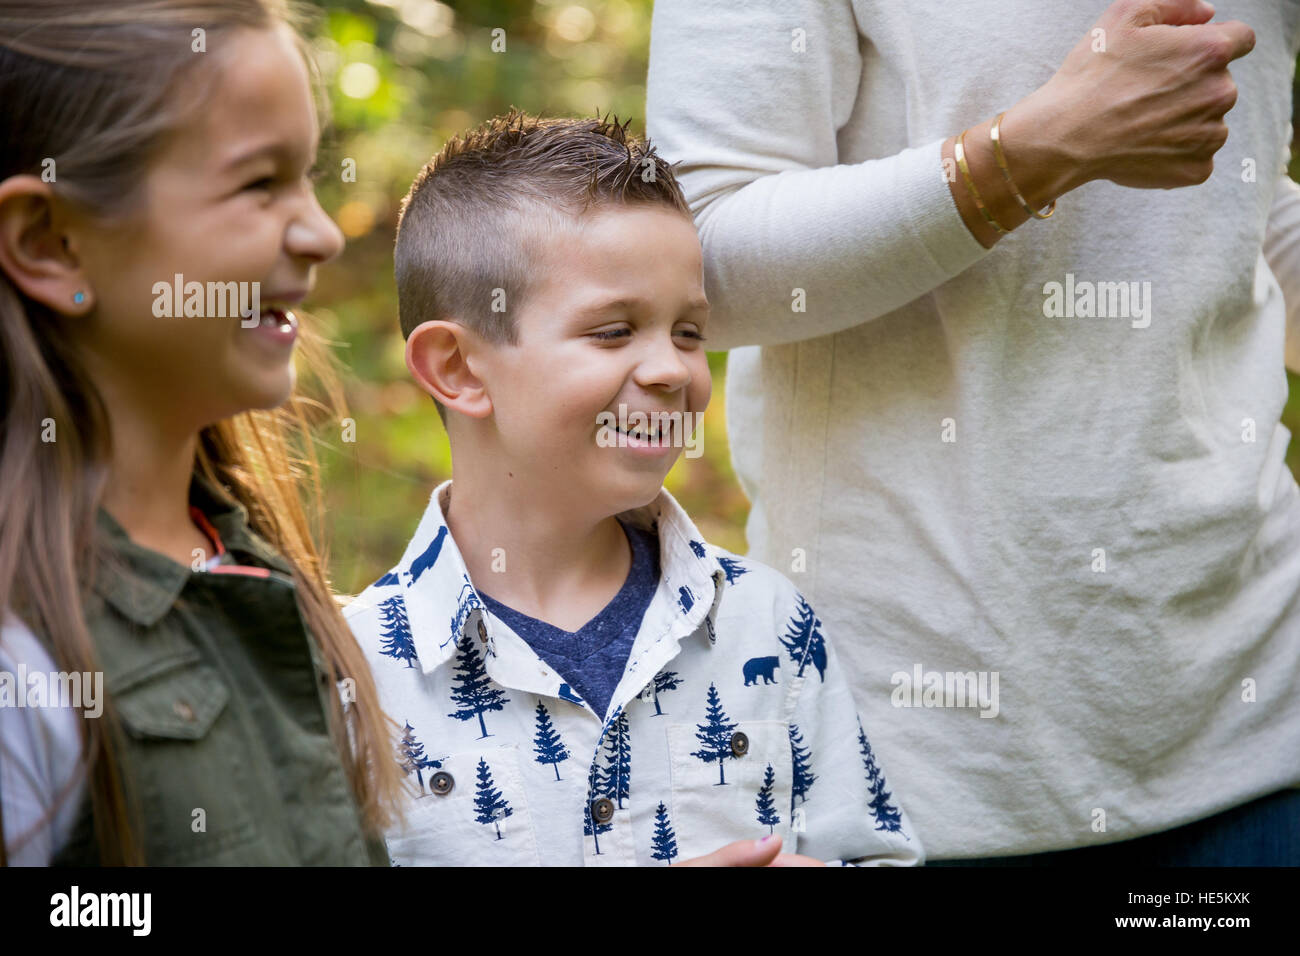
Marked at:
<point>468,228</point>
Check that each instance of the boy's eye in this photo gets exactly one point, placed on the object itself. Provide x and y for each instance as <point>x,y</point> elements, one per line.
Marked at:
<point>266,182</point>
<point>619,333</point>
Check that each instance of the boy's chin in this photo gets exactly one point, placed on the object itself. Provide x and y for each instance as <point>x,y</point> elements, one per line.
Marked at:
<point>628,491</point>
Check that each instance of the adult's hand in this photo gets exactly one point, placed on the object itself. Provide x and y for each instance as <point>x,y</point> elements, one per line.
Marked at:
<point>1140,101</point>
<point>763,852</point>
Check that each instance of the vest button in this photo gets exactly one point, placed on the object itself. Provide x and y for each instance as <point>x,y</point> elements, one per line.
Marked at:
<point>441,783</point>
<point>739,744</point>
<point>482,631</point>
<point>602,810</point>
<point>183,710</point>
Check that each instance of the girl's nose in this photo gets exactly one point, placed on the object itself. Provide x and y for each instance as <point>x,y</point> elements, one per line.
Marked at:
<point>314,235</point>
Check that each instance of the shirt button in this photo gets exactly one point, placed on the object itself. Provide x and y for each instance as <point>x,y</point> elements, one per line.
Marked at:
<point>183,710</point>
<point>602,810</point>
<point>441,783</point>
<point>739,744</point>
<point>482,631</point>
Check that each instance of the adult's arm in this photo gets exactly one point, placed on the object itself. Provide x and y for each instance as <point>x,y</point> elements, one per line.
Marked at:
<point>753,124</point>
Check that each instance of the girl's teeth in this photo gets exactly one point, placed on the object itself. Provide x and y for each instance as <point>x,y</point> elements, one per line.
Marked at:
<point>281,318</point>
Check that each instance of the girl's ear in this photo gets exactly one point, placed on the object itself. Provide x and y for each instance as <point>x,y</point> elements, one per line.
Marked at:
<point>34,252</point>
<point>437,355</point>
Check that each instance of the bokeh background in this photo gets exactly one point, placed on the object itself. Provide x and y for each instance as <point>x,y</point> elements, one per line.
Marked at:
<point>403,76</point>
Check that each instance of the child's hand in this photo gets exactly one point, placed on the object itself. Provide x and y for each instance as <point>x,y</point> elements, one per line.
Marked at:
<point>764,852</point>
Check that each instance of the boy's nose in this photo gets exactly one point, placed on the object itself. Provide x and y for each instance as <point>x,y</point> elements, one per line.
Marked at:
<point>663,367</point>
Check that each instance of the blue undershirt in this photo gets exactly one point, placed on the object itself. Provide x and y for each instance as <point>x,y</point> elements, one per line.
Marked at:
<point>591,659</point>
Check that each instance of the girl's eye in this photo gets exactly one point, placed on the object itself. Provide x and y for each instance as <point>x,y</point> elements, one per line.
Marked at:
<point>266,182</point>
<point>691,333</point>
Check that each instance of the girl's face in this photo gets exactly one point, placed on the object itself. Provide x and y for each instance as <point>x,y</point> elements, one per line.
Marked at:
<point>227,200</point>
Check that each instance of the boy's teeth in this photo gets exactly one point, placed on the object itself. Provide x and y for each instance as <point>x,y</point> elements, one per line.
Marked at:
<point>639,432</point>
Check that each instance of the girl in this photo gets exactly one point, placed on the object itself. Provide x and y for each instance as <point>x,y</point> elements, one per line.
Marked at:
<point>154,157</point>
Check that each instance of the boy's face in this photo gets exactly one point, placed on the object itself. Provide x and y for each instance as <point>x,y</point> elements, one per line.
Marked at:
<point>614,319</point>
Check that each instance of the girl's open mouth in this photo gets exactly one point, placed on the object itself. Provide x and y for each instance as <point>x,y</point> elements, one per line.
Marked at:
<point>277,325</point>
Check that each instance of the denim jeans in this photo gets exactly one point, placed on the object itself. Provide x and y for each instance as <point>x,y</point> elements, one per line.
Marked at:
<point>1264,832</point>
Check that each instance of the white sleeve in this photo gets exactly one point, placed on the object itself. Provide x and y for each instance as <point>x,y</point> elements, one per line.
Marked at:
<point>753,124</point>
<point>1282,251</point>
<point>39,751</point>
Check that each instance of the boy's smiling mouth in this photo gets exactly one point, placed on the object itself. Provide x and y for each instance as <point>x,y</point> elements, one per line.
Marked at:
<point>637,431</point>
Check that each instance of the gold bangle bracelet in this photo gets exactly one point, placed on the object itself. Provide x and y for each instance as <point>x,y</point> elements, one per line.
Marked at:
<point>1001,158</point>
<point>959,151</point>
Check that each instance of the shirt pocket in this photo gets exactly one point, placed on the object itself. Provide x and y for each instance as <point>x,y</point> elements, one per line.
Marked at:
<point>185,746</point>
<point>734,795</point>
<point>472,811</point>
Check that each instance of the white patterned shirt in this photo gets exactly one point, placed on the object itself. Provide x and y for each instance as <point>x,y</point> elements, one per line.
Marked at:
<point>732,721</point>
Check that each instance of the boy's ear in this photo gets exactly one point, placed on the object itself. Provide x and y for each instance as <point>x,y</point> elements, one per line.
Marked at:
<point>34,251</point>
<point>438,356</point>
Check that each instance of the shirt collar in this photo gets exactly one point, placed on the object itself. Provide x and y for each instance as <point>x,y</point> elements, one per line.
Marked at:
<point>142,585</point>
<point>443,607</point>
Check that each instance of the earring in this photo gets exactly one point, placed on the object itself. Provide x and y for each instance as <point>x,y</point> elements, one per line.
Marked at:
<point>79,297</point>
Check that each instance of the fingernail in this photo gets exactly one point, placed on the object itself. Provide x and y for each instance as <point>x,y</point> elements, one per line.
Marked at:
<point>766,838</point>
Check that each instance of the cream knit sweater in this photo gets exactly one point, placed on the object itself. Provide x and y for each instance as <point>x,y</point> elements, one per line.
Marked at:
<point>986,464</point>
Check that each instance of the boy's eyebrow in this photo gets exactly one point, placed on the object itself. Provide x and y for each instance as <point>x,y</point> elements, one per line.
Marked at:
<point>695,305</point>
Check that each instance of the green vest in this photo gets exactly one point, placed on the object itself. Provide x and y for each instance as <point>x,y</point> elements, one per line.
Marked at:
<point>224,706</point>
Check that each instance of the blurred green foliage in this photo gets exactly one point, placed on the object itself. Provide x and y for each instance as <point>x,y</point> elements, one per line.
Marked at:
<point>403,76</point>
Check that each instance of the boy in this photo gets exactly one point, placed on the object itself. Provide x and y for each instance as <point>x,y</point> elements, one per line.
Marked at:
<point>581,679</point>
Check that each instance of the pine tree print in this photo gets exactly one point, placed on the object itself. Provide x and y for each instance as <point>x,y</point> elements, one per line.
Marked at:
<point>715,735</point>
<point>547,744</point>
<point>619,755</point>
<point>473,690</point>
<point>466,603</point>
<point>664,681</point>
<point>395,629</point>
<point>732,568</point>
<point>803,639</point>
<point>802,778</point>
<point>664,843</point>
<point>489,805</point>
<point>888,817</point>
<point>698,548</point>
<point>765,806</point>
<point>411,755</point>
<point>596,782</point>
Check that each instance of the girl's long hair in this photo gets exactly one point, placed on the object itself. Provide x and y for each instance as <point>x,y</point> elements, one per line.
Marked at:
<point>91,85</point>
